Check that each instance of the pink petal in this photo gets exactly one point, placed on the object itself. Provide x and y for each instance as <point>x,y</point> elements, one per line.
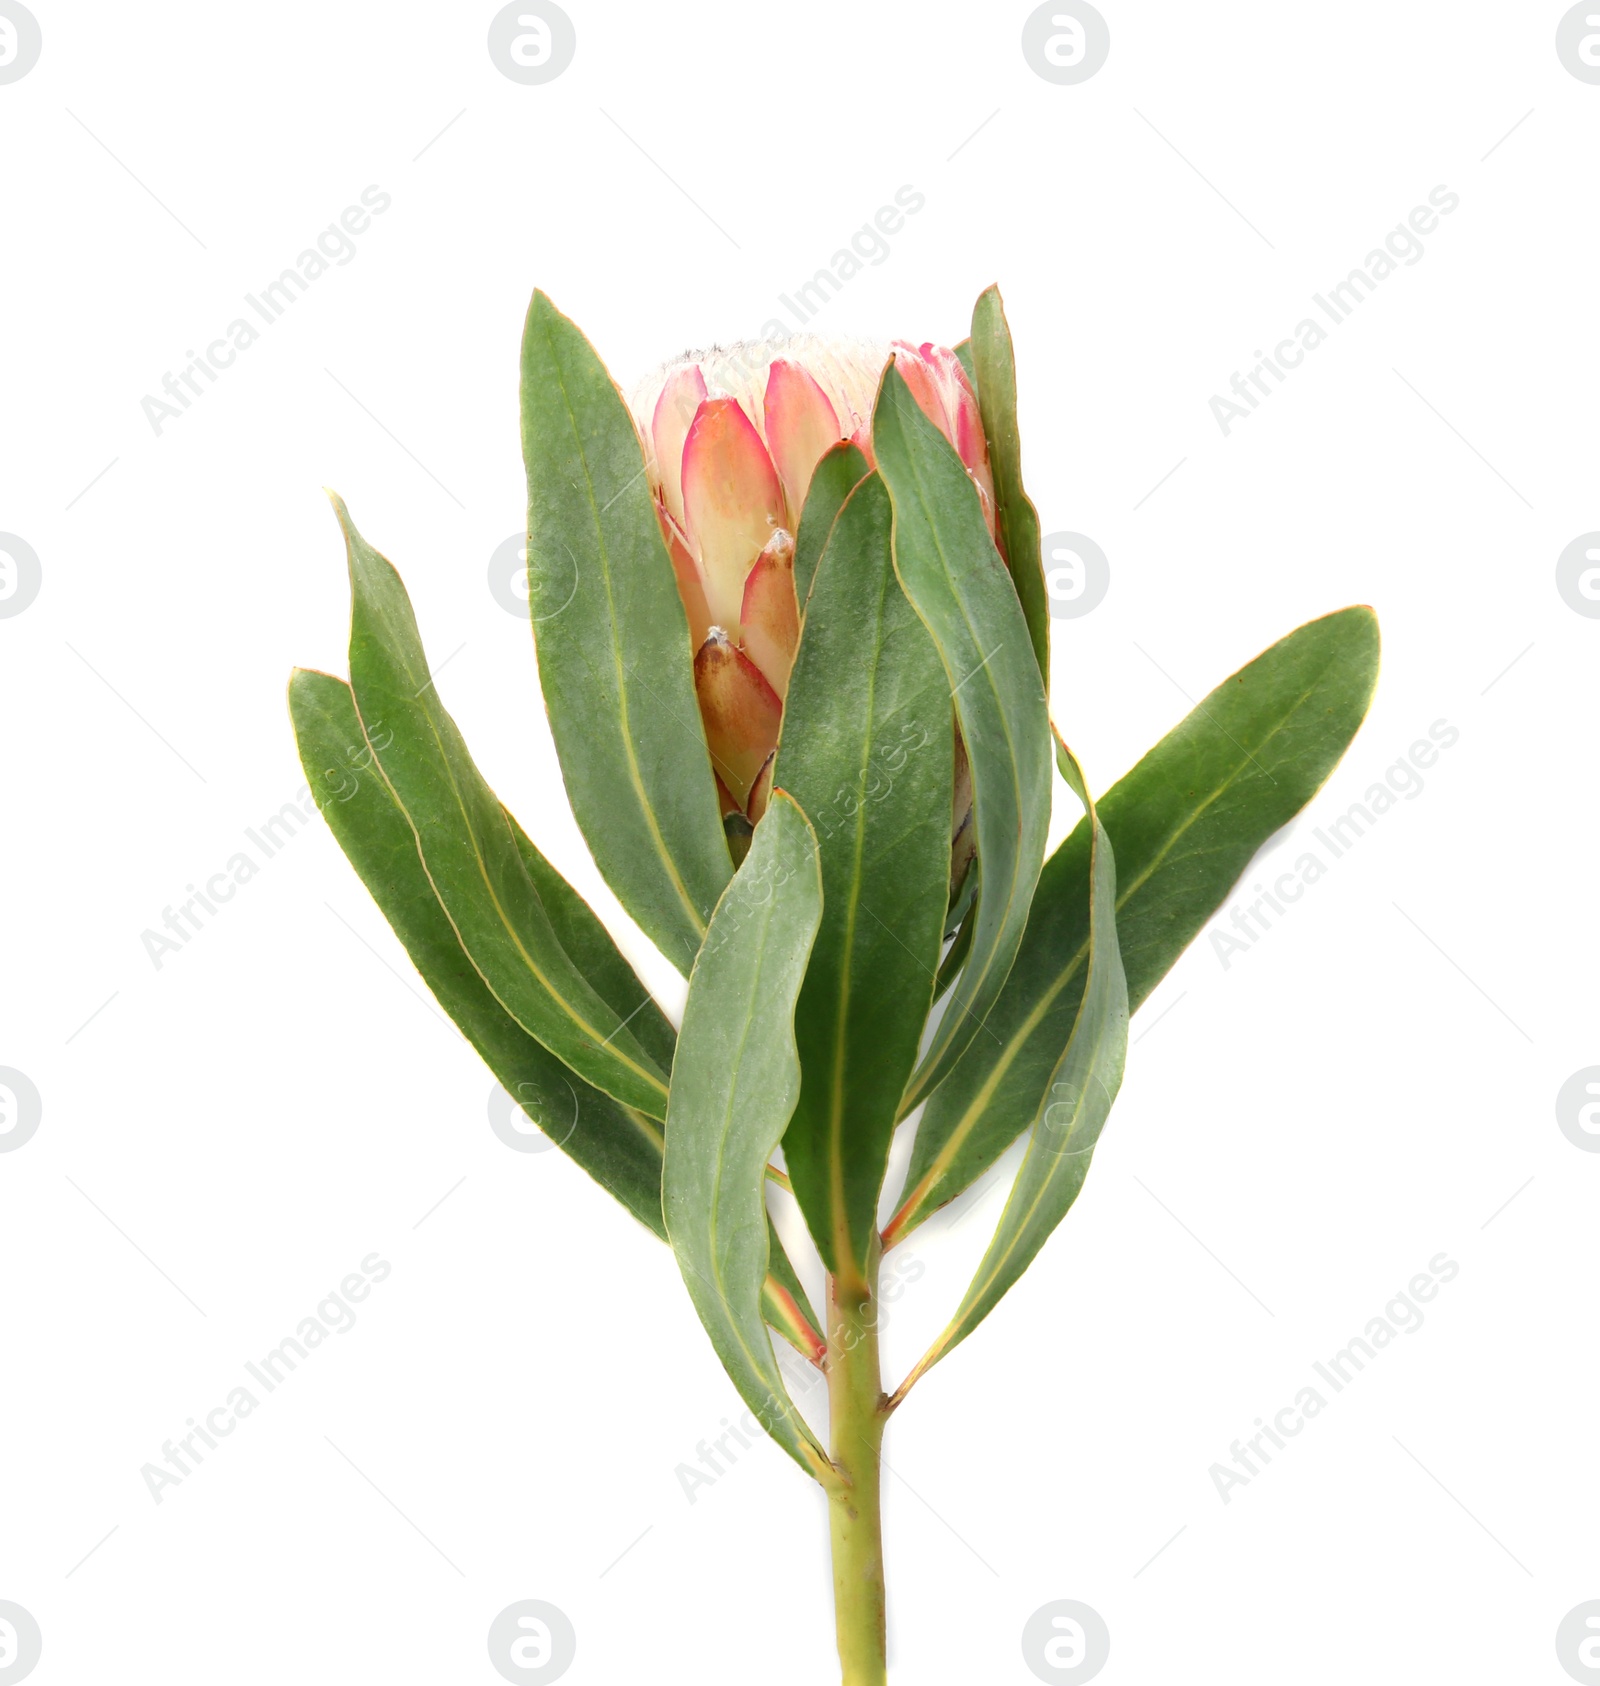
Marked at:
<point>741,712</point>
<point>961,406</point>
<point>945,396</point>
<point>918,374</point>
<point>732,502</point>
<point>690,588</point>
<point>770,613</point>
<point>966,425</point>
<point>801,425</point>
<point>680,398</point>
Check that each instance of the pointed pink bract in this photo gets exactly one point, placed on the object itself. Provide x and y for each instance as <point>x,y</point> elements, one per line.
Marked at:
<point>680,398</point>
<point>741,712</point>
<point>801,425</point>
<point>945,396</point>
<point>770,613</point>
<point>732,502</point>
<point>690,587</point>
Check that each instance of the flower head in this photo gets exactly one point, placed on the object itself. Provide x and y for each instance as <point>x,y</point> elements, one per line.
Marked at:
<point>732,437</point>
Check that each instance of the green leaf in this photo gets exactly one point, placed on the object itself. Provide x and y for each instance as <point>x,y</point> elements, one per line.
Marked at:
<point>964,358</point>
<point>866,751</point>
<point>1185,822</point>
<point>619,1147</point>
<point>595,954</point>
<point>996,382</point>
<point>733,1088</point>
<point>841,468</point>
<point>959,586</point>
<point>614,656</point>
<point>469,849</point>
<point>1073,1109</point>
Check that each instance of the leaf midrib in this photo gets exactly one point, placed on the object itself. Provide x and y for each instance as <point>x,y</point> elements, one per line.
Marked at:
<point>1019,1226</point>
<point>961,1002</point>
<point>646,807</point>
<point>836,1188</point>
<point>718,1167</point>
<point>556,995</point>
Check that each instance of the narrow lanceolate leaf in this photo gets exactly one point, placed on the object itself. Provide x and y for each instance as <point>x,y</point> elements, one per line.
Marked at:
<point>1185,823</point>
<point>841,469</point>
<point>1073,1109</point>
<point>592,950</point>
<point>959,586</point>
<point>619,1147</point>
<point>470,851</point>
<point>996,370</point>
<point>866,751</point>
<point>733,1088</point>
<point>613,640</point>
<point>964,358</point>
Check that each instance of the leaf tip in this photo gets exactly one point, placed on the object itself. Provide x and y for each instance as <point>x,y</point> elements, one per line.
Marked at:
<point>542,313</point>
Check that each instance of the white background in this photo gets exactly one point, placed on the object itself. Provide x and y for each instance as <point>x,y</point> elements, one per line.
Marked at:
<point>1363,1089</point>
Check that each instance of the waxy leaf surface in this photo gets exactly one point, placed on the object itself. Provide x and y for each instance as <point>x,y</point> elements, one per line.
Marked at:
<point>867,752</point>
<point>615,661</point>
<point>1185,822</point>
<point>618,1146</point>
<point>734,1086</point>
<point>470,851</point>
<point>995,368</point>
<point>841,469</point>
<point>1075,1105</point>
<point>958,584</point>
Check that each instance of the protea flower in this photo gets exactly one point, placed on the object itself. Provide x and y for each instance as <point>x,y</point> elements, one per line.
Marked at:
<point>732,437</point>
<point>839,989</point>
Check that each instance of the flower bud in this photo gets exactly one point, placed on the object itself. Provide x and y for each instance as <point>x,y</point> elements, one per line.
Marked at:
<point>732,438</point>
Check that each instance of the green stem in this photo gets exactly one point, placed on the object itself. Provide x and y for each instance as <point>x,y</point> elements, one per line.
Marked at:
<point>857,1416</point>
